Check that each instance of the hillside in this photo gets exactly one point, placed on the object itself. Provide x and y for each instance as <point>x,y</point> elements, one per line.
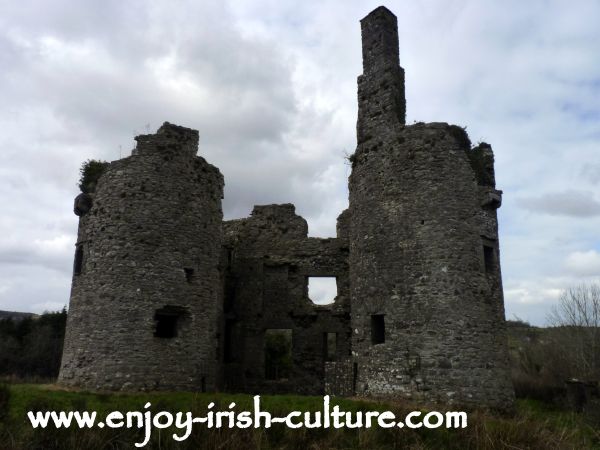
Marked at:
<point>14,315</point>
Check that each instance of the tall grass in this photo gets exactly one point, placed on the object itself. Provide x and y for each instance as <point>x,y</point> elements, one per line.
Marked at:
<point>534,425</point>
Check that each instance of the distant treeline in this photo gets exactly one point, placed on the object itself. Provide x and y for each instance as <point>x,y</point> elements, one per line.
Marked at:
<point>542,359</point>
<point>31,347</point>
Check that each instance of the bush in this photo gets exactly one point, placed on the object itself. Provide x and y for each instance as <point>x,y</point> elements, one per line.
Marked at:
<point>90,172</point>
<point>536,388</point>
<point>4,401</point>
<point>32,348</point>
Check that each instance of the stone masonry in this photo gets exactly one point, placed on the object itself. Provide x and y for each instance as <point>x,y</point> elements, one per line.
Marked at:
<point>269,259</point>
<point>167,295</point>
<point>426,296</point>
<point>148,251</point>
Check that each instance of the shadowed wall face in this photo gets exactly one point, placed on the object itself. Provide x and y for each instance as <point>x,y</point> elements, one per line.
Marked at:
<point>381,98</point>
<point>425,284</point>
<point>145,299</point>
<point>167,295</point>
<point>282,339</point>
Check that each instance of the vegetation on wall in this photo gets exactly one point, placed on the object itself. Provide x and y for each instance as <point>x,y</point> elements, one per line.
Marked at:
<point>461,136</point>
<point>481,163</point>
<point>278,354</point>
<point>90,172</point>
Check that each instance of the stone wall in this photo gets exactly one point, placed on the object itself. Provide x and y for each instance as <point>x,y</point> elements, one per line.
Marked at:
<point>339,378</point>
<point>149,249</point>
<point>268,259</point>
<point>381,99</point>
<point>166,295</point>
<point>426,298</point>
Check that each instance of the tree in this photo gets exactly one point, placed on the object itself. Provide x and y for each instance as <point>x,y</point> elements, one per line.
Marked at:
<point>278,354</point>
<point>576,333</point>
<point>32,347</point>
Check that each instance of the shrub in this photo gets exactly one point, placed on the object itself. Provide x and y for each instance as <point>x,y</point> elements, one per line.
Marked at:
<point>4,401</point>
<point>461,136</point>
<point>536,388</point>
<point>90,172</point>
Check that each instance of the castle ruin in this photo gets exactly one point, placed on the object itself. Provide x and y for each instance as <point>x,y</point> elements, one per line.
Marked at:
<point>167,295</point>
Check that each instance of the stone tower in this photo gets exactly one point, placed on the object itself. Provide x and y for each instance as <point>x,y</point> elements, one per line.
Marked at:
<point>145,298</point>
<point>425,285</point>
<point>165,295</point>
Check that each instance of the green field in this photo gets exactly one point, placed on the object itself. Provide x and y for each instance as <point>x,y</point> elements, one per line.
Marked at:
<point>533,425</point>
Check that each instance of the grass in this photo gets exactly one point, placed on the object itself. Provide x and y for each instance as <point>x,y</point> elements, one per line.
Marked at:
<point>533,426</point>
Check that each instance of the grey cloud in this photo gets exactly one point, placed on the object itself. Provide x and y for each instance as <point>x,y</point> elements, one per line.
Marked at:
<point>29,257</point>
<point>568,203</point>
<point>94,83</point>
<point>271,86</point>
<point>591,172</point>
<point>81,80</point>
<point>34,289</point>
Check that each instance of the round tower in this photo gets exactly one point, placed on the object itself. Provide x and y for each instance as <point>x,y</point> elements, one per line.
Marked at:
<point>144,303</point>
<point>426,295</point>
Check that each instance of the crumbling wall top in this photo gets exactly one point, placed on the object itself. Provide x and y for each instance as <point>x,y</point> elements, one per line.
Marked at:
<point>168,137</point>
<point>379,40</point>
<point>381,98</point>
<point>282,219</point>
<point>343,224</point>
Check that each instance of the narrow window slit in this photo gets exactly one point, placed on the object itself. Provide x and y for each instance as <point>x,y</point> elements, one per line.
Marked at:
<point>377,329</point>
<point>489,258</point>
<point>78,263</point>
<point>330,346</point>
<point>278,354</point>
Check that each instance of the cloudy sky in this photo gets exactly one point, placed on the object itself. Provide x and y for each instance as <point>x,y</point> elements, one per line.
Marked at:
<point>271,86</point>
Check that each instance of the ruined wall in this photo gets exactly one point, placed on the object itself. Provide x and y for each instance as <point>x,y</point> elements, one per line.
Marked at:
<point>165,295</point>
<point>381,96</point>
<point>267,259</point>
<point>149,243</point>
<point>427,306</point>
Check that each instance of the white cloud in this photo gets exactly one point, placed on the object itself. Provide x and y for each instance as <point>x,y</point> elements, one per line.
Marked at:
<point>322,290</point>
<point>533,298</point>
<point>584,263</point>
<point>568,203</point>
<point>591,172</point>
